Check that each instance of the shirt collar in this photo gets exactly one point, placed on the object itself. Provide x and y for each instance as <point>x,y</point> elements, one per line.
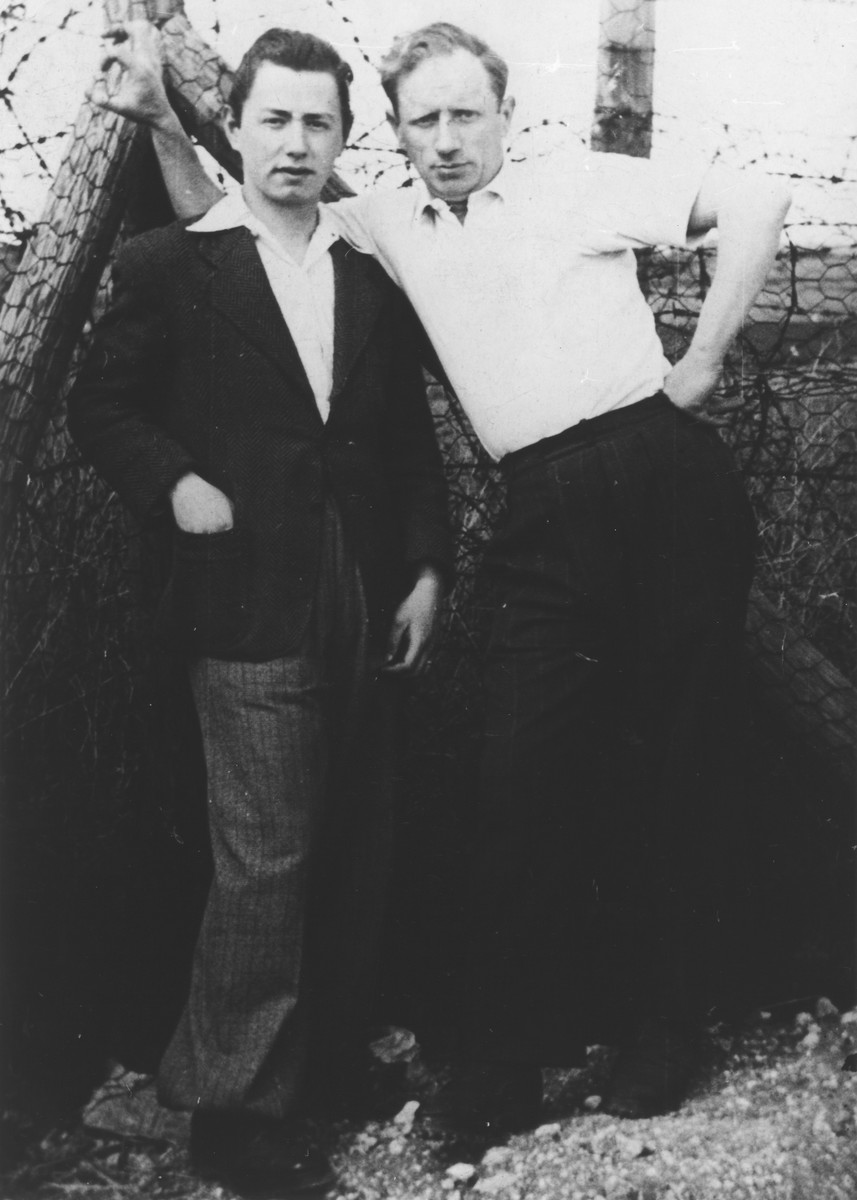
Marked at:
<point>232,213</point>
<point>499,186</point>
<point>229,212</point>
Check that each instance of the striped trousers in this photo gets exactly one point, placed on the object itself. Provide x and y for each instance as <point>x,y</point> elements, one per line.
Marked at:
<point>298,753</point>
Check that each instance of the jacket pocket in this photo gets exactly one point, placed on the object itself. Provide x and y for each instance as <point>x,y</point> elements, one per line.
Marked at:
<point>205,605</point>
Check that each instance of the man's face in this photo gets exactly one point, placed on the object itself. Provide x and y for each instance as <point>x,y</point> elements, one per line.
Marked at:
<point>289,135</point>
<point>450,124</point>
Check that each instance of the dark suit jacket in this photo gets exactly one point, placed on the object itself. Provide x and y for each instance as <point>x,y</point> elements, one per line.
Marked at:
<point>193,368</point>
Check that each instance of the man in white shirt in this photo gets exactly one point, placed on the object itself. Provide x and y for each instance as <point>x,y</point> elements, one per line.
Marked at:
<point>620,570</point>
<point>254,391</point>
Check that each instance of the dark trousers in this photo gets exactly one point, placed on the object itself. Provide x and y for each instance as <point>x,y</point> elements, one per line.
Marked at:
<point>298,754</point>
<point>618,583</point>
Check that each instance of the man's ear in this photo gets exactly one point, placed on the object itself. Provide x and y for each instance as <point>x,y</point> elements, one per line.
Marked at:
<point>394,123</point>
<point>229,125</point>
<point>507,109</point>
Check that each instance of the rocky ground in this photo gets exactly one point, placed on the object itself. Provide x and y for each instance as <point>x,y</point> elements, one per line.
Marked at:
<point>775,1118</point>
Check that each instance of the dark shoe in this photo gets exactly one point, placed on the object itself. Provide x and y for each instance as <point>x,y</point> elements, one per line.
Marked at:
<point>258,1155</point>
<point>653,1074</point>
<point>491,1099</point>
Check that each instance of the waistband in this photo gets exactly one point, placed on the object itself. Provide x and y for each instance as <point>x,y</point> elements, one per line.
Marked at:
<point>587,432</point>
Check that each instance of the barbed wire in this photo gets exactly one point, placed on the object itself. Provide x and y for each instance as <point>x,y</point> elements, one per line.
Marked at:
<point>81,578</point>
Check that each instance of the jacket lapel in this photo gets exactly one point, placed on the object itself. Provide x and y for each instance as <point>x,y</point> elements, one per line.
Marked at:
<point>358,299</point>
<point>240,291</point>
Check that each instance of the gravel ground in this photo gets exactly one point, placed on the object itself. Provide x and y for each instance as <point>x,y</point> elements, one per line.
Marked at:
<point>775,1118</point>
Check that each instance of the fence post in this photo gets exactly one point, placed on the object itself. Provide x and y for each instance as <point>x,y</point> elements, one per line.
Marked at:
<point>807,692</point>
<point>50,295</point>
<point>626,63</point>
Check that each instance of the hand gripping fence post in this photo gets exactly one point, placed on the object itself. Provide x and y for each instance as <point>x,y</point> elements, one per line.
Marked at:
<point>49,299</point>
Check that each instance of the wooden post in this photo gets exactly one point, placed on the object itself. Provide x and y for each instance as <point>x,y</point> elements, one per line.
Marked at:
<point>626,61</point>
<point>49,299</point>
<point>811,697</point>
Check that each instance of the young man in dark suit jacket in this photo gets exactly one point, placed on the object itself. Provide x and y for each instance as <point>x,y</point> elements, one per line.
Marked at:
<point>254,383</point>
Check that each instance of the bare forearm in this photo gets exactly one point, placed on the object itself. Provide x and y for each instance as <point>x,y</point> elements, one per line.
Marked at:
<point>190,190</point>
<point>132,84</point>
<point>749,221</point>
<point>429,580</point>
<point>748,211</point>
<point>414,626</point>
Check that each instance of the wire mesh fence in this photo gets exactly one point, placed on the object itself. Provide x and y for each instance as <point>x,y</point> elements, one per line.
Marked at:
<point>79,581</point>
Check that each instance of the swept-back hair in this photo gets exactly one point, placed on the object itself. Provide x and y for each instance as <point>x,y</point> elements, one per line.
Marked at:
<point>299,51</point>
<point>409,50</point>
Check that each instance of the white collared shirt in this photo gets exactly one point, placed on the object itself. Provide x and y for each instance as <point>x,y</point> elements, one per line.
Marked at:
<point>304,291</point>
<point>532,304</point>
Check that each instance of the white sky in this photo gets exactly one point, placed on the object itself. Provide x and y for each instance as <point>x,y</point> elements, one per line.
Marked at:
<point>780,74</point>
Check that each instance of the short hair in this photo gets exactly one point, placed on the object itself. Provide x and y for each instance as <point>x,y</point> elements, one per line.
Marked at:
<point>299,51</point>
<point>409,50</point>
